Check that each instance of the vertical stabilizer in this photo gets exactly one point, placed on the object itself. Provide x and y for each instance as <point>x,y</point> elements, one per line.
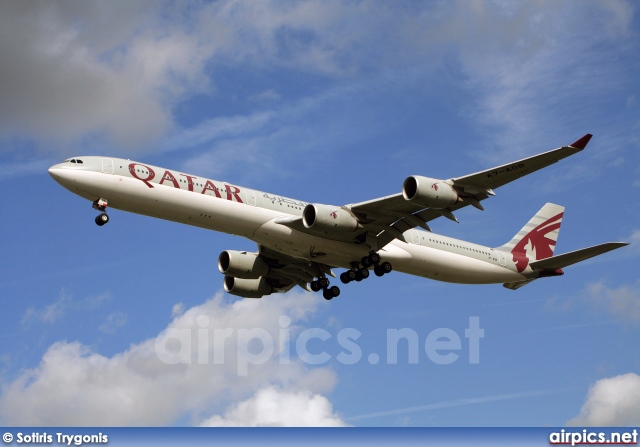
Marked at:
<point>537,239</point>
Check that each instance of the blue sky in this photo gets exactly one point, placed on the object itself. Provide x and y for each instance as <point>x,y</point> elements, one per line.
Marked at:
<point>329,102</point>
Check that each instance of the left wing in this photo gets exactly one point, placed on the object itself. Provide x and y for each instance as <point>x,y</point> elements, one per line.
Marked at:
<point>388,217</point>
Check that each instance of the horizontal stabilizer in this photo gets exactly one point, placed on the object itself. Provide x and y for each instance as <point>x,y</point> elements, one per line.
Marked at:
<point>567,259</point>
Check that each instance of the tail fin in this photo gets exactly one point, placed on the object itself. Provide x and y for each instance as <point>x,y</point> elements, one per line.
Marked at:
<point>537,239</point>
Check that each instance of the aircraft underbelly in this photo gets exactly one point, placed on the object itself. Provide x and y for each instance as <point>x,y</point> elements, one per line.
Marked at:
<point>446,266</point>
<point>408,258</point>
<point>308,246</point>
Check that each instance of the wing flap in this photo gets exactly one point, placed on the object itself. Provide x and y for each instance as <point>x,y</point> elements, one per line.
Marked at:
<point>286,271</point>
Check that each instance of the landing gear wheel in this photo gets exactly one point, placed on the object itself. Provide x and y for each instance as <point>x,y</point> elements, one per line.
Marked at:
<point>374,258</point>
<point>350,274</point>
<point>334,290</point>
<point>327,294</point>
<point>378,270</point>
<point>364,273</point>
<point>102,219</point>
<point>344,277</point>
<point>315,286</point>
<point>359,276</point>
<point>324,283</point>
<point>386,267</point>
<point>366,262</point>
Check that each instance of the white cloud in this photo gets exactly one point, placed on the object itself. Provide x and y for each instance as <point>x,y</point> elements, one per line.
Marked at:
<point>69,76</point>
<point>113,322</point>
<point>266,96</point>
<point>271,407</point>
<point>634,240</point>
<point>622,302</point>
<point>73,385</point>
<point>95,301</point>
<point>66,304</point>
<point>612,401</point>
<point>216,129</point>
<point>68,73</point>
<point>50,313</point>
<point>524,67</point>
<point>23,168</point>
<point>519,66</point>
<point>177,310</point>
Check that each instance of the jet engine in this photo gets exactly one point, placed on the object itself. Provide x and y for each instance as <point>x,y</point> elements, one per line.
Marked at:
<point>429,192</point>
<point>247,288</point>
<point>242,264</point>
<point>329,218</point>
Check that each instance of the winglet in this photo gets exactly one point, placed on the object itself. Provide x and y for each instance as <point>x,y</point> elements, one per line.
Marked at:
<point>582,142</point>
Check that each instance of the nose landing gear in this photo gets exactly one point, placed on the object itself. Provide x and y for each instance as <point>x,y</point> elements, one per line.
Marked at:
<point>102,219</point>
<point>101,205</point>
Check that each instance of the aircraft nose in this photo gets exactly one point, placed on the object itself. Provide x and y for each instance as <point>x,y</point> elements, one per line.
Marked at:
<point>60,174</point>
<point>54,171</point>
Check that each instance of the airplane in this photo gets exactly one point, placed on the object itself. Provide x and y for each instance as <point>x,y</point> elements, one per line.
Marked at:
<point>300,243</point>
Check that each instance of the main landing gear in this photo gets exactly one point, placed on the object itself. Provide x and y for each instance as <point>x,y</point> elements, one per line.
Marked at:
<point>322,283</point>
<point>358,272</point>
<point>101,205</point>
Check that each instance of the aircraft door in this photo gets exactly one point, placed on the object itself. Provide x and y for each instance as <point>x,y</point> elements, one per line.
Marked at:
<point>250,197</point>
<point>502,258</point>
<point>415,237</point>
<point>107,166</point>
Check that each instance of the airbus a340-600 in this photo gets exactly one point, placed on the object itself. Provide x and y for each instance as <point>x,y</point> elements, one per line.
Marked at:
<point>299,243</point>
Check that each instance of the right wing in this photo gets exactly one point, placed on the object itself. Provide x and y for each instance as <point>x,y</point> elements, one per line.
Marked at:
<point>282,273</point>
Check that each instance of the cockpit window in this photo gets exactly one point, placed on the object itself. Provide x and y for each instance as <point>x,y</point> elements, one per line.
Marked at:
<point>74,160</point>
<point>78,161</point>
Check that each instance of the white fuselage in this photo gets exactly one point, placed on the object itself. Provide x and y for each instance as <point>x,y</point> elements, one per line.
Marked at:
<point>219,206</point>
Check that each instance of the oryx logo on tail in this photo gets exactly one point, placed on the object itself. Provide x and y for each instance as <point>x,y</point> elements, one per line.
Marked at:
<point>537,239</point>
<point>538,244</point>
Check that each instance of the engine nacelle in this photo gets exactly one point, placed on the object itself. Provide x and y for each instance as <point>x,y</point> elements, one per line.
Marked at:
<point>329,218</point>
<point>247,288</point>
<point>242,264</point>
<point>429,192</point>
